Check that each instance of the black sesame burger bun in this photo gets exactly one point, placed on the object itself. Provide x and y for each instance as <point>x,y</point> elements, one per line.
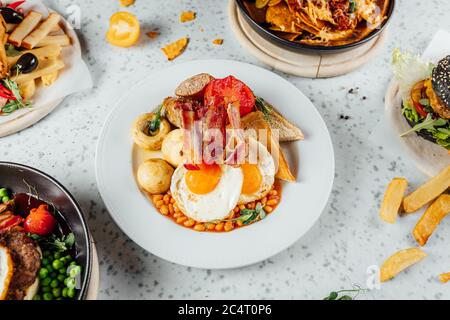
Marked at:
<point>441,81</point>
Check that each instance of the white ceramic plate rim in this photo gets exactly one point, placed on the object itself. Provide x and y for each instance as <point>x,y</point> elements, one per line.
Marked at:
<point>137,217</point>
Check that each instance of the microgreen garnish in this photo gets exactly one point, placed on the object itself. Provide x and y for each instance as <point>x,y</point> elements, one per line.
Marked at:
<point>154,124</point>
<point>248,216</point>
<point>349,294</point>
<point>264,107</point>
<point>428,124</point>
<point>59,244</point>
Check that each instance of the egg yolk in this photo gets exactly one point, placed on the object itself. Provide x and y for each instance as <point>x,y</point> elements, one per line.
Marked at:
<point>204,180</point>
<point>252,178</point>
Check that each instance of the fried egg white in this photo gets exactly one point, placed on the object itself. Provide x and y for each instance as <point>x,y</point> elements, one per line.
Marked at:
<point>259,173</point>
<point>213,205</point>
<point>6,271</point>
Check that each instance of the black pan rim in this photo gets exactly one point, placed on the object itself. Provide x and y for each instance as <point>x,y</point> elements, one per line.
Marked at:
<point>85,284</point>
<point>312,48</point>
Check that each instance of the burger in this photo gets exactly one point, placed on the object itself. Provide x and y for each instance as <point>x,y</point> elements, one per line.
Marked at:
<point>425,90</point>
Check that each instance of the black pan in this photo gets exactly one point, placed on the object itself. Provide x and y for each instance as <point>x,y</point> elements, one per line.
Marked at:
<point>310,49</point>
<point>13,175</point>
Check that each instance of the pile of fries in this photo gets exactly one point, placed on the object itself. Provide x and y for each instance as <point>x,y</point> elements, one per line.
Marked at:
<point>41,36</point>
<point>435,193</point>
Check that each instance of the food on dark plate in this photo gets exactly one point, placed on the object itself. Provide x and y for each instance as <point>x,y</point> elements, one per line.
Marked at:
<point>37,250</point>
<point>227,186</point>
<point>425,90</point>
<point>319,22</point>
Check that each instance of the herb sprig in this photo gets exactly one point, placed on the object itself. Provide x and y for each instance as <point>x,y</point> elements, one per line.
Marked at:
<point>428,124</point>
<point>14,105</point>
<point>348,294</point>
<point>154,124</point>
<point>59,244</point>
<point>248,216</point>
<point>265,107</point>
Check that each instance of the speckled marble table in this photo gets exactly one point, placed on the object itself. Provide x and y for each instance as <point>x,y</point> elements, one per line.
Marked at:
<point>347,239</point>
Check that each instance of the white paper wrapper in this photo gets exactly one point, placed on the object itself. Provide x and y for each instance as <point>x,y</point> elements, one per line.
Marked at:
<point>428,157</point>
<point>73,78</point>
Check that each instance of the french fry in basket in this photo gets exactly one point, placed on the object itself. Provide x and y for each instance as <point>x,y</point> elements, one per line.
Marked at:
<point>399,262</point>
<point>60,40</point>
<point>24,28</point>
<point>49,79</point>
<point>27,89</point>
<point>427,192</point>
<point>392,200</point>
<point>42,31</point>
<point>445,277</point>
<point>44,68</point>
<point>431,219</point>
<point>47,52</point>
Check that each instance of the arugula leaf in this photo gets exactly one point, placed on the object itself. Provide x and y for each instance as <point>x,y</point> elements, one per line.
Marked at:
<point>428,124</point>
<point>12,85</point>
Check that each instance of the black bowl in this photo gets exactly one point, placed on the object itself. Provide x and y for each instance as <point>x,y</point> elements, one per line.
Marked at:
<point>310,49</point>
<point>13,175</point>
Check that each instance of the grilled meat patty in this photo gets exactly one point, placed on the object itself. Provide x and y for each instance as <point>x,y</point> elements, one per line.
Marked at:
<point>26,259</point>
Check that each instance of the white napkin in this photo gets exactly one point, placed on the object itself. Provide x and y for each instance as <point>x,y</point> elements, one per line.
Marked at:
<point>73,78</point>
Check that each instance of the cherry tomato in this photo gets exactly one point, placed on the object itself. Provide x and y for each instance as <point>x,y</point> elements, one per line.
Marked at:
<point>40,221</point>
<point>221,92</point>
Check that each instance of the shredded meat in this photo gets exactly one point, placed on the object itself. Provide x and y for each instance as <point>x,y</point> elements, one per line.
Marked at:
<point>340,10</point>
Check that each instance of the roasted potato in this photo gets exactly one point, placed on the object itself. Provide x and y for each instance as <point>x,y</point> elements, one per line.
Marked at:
<point>172,147</point>
<point>427,192</point>
<point>146,139</point>
<point>431,219</point>
<point>392,200</point>
<point>400,261</point>
<point>154,176</point>
<point>194,86</point>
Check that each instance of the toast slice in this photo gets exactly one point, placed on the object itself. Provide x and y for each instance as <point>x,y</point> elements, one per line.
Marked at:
<point>256,120</point>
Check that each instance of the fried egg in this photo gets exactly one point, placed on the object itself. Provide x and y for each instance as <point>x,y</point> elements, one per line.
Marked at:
<point>259,173</point>
<point>207,194</point>
<point>6,271</point>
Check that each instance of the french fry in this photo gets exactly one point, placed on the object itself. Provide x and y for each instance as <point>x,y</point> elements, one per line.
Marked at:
<point>444,277</point>
<point>61,40</point>
<point>47,52</point>
<point>431,219</point>
<point>24,28</point>
<point>400,261</point>
<point>42,31</point>
<point>44,68</point>
<point>49,79</point>
<point>427,192</point>
<point>392,200</point>
<point>27,89</point>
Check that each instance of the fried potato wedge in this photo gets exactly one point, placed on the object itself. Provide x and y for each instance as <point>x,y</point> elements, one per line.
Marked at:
<point>431,219</point>
<point>444,277</point>
<point>392,200</point>
<point>427,192</point>
<point>400,261</point>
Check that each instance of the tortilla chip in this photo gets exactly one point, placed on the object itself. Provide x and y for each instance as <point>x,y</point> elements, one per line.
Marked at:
<point>126,3</point>
<point>152,34</point>
<point>281,17</point>
<point>286,35</point>
<point>272,3</point>
<point>187,16</point>
<point>176,48</point>
<point>218,41</point>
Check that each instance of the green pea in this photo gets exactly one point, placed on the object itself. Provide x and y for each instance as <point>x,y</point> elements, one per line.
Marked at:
<point>46,253</point>
<point>57,264</point>
<point>45,289</point>
<point>5,199</point>
<point>53,275</point>
<point>54,283</point>
<point>57,255</point>
<point>46,282</point>
<point>49,268</point>
<point>74,271</point>
<point>45,262</point>
<point>43,273</point>
<point>47,296</point>
<point>68,258</point>
<point>60,298</point>
<point>73,263</point>
<point>4,192</point>
<point>70,283</point>
<point>63,271</point>
<point>61,278</point>
<point>37,297</point>
<point>64,292</point>
<point>71,292</point>
<point>56,292</point>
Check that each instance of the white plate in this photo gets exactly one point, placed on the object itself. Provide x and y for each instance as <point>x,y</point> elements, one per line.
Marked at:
<point>428,157</point>
<point>301,204</point>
